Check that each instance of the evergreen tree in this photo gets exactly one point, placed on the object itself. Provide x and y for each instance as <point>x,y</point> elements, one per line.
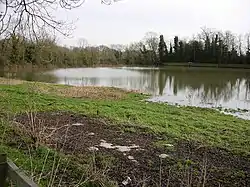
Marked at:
<point>171,49</point>
<point>176,48</point>
<point>248,50</point>
<point>162,49</point>
<point>181,51</point>
<point>170,55</point>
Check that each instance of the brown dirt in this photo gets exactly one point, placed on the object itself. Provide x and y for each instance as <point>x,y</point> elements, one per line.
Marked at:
<point>188,164</point>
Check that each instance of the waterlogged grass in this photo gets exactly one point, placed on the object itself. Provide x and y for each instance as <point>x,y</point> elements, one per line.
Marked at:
<point>205,126</point>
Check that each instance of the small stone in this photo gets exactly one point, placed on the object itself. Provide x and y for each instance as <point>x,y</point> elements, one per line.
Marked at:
<point>135,161</point>
<point>93,148</point>
<point>131,158</point>
<point>127,181</point>
<point>163,155</point>
<point>91,134</point>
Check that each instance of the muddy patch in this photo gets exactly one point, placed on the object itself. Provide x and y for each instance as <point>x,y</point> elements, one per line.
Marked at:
<point>137,160</point>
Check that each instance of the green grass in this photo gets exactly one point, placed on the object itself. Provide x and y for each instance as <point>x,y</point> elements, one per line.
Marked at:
<point>206,126</point>
<point>48,167</point>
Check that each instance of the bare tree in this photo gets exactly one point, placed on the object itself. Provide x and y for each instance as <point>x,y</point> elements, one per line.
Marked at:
<point>118,47</point>
<point>82,43</point>
<point>206,34</point>
<point>32,15</point>
<point>229,39</point>
<point>248,43</point>
<point>152,41</point>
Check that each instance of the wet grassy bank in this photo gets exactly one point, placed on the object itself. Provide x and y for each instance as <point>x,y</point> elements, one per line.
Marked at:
<point>57,134</point>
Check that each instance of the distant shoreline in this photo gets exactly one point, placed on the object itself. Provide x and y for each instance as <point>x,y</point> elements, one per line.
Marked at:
<point>29,67</point>
<point>209,65</point>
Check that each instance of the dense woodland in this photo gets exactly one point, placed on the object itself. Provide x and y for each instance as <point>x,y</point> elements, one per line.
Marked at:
<point>208,46</point>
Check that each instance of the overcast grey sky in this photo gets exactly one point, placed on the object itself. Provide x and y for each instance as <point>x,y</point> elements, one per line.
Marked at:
<point>128,20</point>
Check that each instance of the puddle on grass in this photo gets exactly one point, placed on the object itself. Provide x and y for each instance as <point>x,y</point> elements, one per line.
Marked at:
<point>239,113</point>
<point>121,148</point>
<point>242,115</point>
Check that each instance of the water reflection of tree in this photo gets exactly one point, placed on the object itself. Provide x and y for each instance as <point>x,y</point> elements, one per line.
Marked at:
<point>214,86</point>
<point>29,76</point>
<point>209,85</point>
<point>247,83</point>
<point>162,78</point>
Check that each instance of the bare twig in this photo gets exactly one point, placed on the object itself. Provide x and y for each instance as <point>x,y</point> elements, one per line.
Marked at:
<point>36,14</point>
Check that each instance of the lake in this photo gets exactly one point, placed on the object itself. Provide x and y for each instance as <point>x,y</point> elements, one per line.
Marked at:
<point>203,87</point>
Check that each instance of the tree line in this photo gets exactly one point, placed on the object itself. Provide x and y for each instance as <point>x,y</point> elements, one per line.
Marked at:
<point>208,46</point>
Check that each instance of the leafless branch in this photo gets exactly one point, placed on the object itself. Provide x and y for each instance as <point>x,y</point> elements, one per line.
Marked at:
<point>17,15</point>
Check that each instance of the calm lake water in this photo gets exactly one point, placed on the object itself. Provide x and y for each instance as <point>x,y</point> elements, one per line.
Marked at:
<point>203,87</point>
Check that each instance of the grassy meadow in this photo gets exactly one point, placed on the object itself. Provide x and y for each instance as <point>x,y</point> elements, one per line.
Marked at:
<point>128,113</point>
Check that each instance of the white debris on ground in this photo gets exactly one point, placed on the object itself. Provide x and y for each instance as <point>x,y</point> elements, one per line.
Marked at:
<point>132,159</point>
<point>127,181</point>
<point>121,148</point>
<point>106,145</point>
<point>91,134</point>
<point>126,148</point>
<point>169,145</point>
<point>77,124</point>
<point>93,148</point>
<point>163,156</point>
